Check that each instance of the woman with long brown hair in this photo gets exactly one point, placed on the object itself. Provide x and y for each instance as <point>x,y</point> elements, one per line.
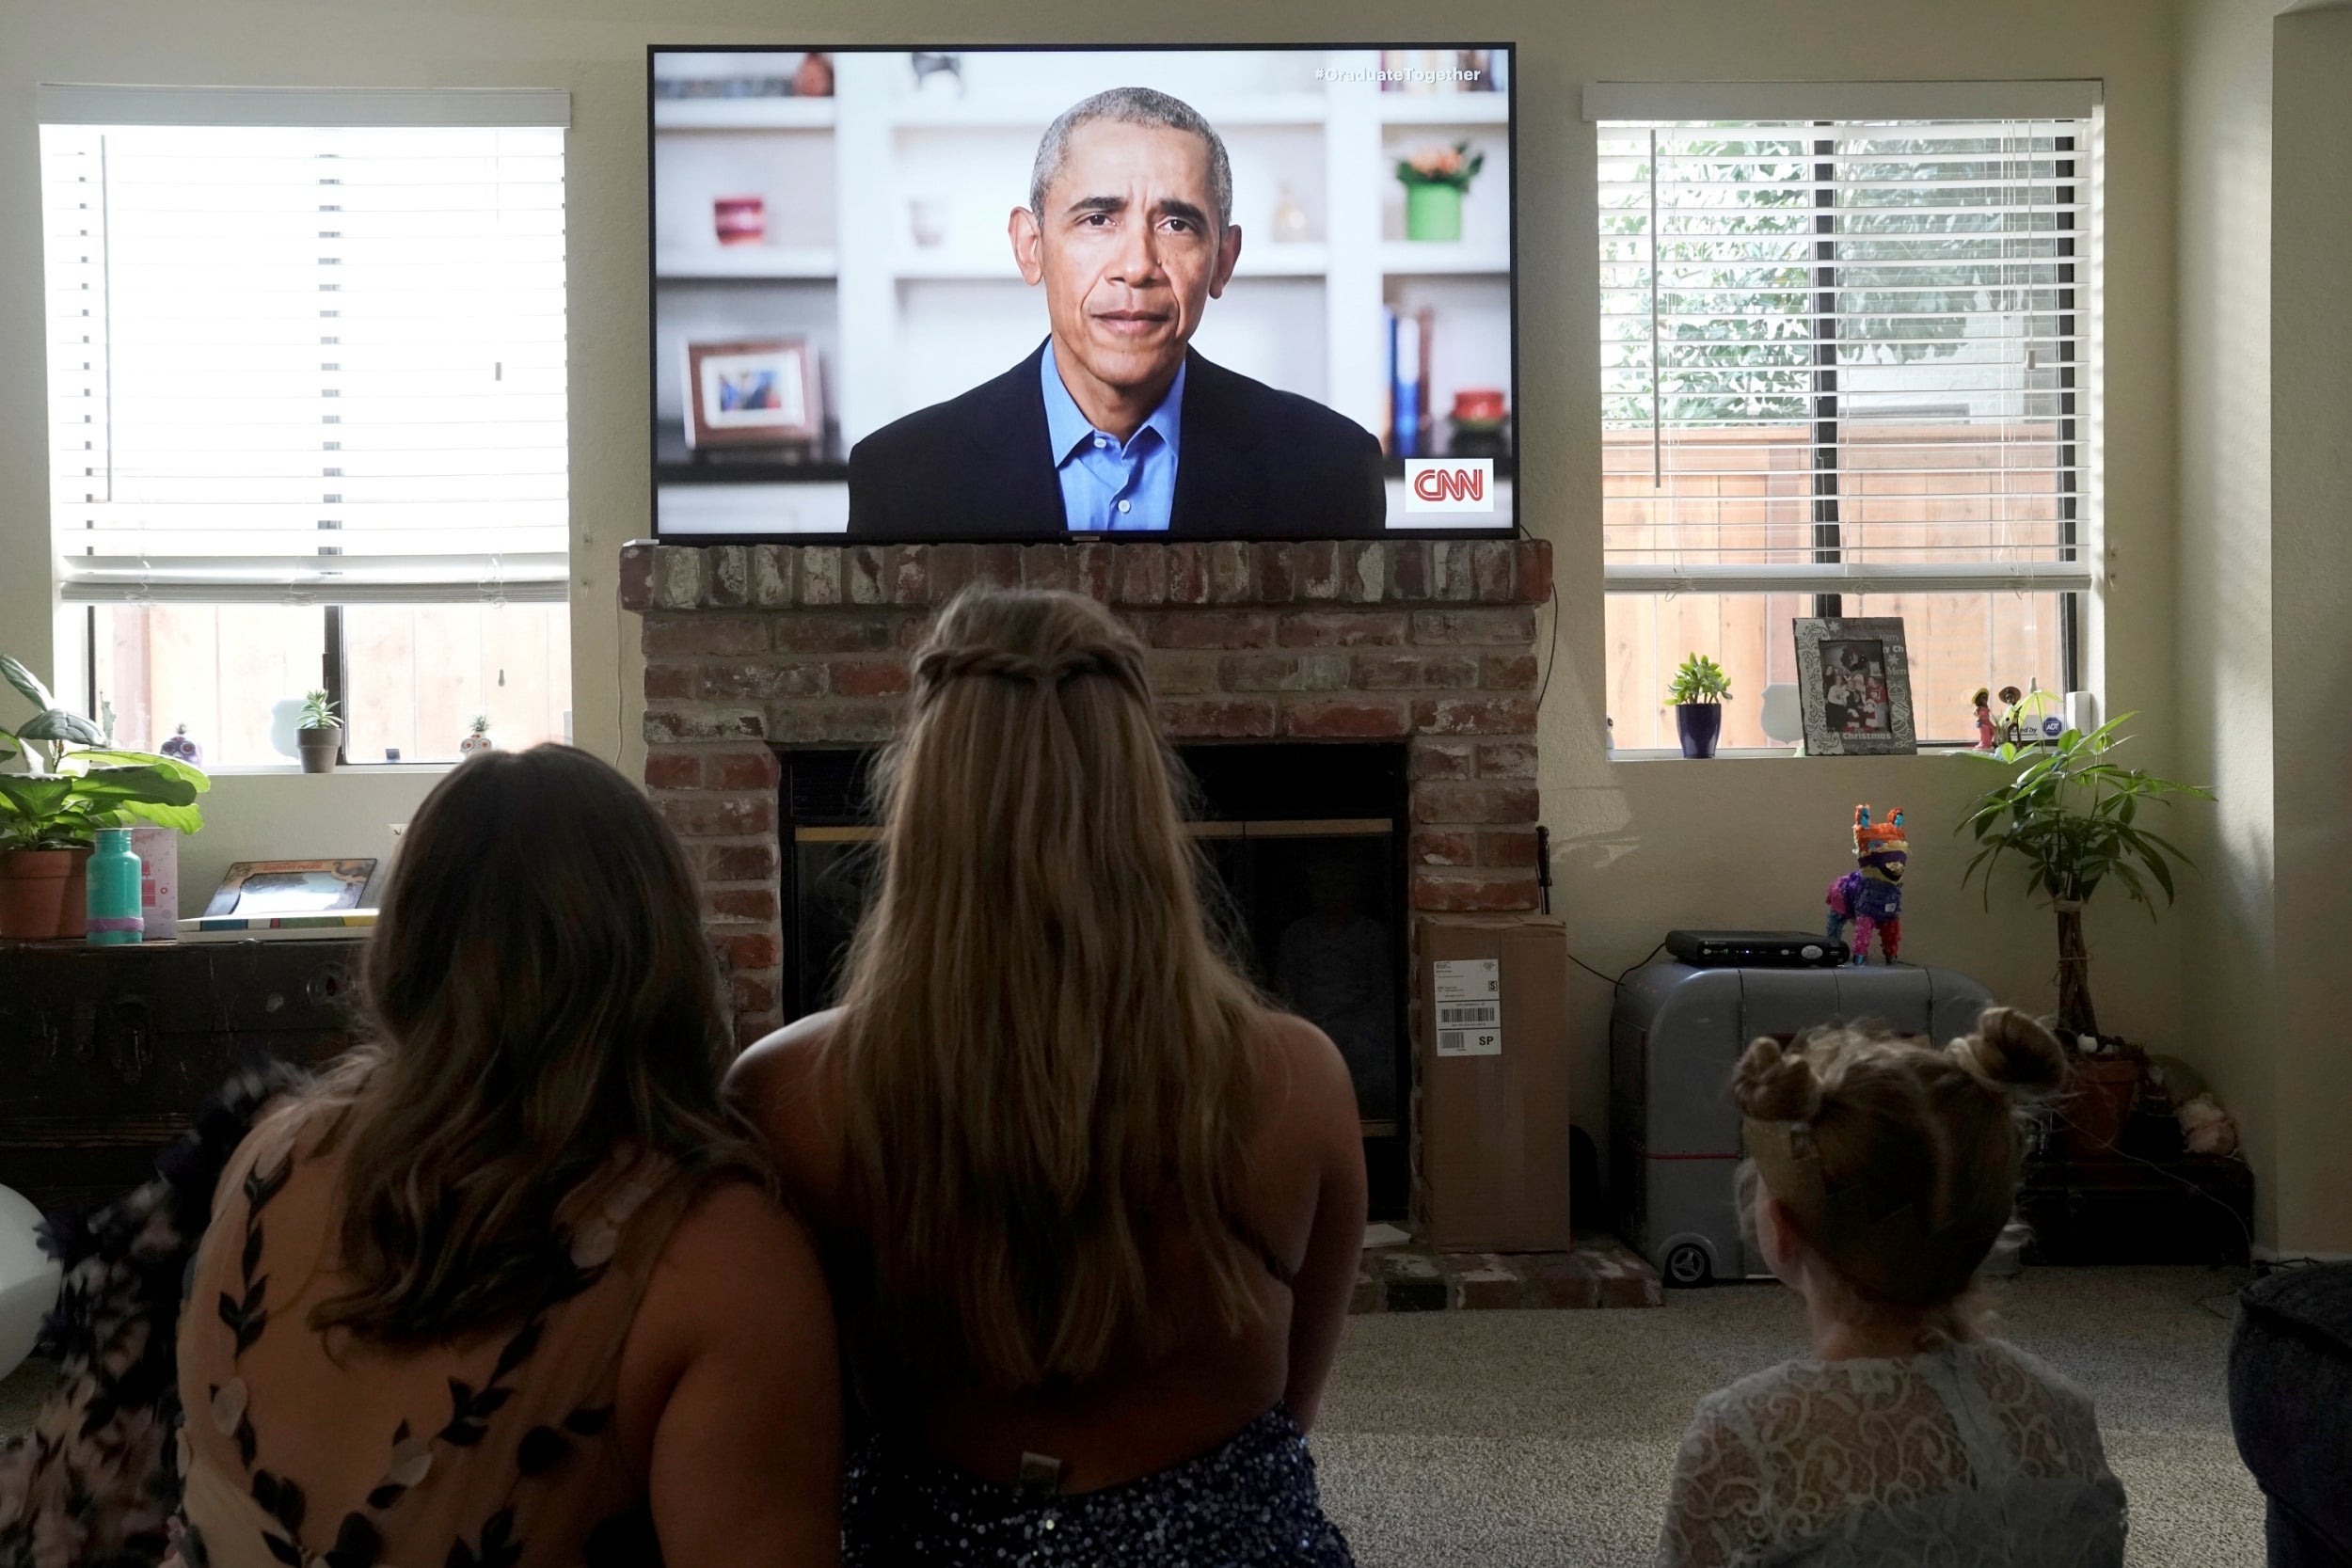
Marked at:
<point>506,1287</point>
<point>1092,1209</point>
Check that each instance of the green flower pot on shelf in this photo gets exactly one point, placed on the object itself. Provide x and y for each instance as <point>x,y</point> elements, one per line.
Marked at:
<point>1433,210</point>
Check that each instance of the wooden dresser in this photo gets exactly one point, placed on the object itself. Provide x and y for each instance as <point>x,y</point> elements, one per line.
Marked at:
<point>105,1050</point>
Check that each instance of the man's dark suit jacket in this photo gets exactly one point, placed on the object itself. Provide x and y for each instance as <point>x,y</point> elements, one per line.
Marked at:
<point>1252,462</point>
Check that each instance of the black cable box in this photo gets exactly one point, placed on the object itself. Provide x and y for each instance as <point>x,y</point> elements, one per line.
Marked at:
<point>1757,949</point>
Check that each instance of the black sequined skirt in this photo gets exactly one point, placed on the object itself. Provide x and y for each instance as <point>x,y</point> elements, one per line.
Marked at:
<point>1251,1502</point>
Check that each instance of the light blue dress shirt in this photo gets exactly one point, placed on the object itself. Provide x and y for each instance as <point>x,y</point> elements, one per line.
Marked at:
<point>1108,485</point>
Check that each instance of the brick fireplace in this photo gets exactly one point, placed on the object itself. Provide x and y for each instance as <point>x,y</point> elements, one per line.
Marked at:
<point>754,649</point>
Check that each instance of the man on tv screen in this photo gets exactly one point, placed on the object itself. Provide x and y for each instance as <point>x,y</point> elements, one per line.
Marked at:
<point>1115,425</point>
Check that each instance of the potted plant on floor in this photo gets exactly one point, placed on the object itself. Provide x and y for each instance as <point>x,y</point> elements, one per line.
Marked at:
<point>1699,691</point>
<point>319,732</point>
<point>74,783</point>
<point>2071,815</point>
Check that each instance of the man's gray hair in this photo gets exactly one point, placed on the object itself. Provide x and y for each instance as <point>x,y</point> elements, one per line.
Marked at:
<point>1132,107</point>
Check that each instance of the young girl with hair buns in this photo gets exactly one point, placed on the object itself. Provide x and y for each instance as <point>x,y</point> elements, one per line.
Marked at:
<point>1881,1170</point>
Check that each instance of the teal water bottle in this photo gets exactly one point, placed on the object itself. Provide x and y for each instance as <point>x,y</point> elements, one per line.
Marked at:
<point>113,889</point>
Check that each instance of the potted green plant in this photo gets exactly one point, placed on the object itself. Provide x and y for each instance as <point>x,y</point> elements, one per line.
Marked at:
<point>74,783</point>
<point>1699,691</point>
<point>2072,816</point>
<point>319,732</point>
<point>1434,179</point>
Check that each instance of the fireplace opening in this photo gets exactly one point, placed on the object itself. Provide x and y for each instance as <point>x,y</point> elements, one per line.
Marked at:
<point>1305,846</point>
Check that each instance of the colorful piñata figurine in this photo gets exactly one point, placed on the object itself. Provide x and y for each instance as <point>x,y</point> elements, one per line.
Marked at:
<point>1872,896</point>
<point>1988,738</point>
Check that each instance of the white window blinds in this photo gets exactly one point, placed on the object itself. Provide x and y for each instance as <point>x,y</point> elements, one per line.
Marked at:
<point>1846,356</point>
<point>306,348</point>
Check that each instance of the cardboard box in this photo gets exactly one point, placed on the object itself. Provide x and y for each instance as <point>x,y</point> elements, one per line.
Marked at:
<point>158,850</point>
<point>1490,1130</point>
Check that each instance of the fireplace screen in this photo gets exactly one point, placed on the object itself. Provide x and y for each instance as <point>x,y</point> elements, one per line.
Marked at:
<point>1306,847</point>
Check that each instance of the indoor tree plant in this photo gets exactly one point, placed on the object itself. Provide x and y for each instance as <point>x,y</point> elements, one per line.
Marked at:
<point>319,732</point>
<point>2071,814</point>
<point>74,783</point>
<point>1699,690</point>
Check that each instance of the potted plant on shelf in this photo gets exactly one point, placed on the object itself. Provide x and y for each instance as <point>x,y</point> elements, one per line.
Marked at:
<point>74,783</point>
<point>1435,180</point>
<point>2071,814</point>
<point>1699,691</point>
<point>319,732</point>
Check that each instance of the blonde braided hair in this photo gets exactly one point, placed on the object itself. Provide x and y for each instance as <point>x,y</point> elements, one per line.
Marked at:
<point>1044,1058</point>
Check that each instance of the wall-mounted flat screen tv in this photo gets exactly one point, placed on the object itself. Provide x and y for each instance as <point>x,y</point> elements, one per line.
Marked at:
<point>1061,293</point>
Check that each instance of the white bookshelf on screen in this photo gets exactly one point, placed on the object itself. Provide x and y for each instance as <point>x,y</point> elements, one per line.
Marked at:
<point>885,244</point>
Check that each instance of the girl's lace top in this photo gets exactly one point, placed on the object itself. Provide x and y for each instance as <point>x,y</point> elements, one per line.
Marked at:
<point>1969,1456</point>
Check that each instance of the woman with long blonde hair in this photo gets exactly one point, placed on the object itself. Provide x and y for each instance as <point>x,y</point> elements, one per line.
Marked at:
<point>1091,1207</point>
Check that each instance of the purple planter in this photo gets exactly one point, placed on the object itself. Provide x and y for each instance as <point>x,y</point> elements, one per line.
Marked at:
<point>1700,725</point>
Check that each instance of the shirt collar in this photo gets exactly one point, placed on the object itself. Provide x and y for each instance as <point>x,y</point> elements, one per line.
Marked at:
<point>1066,426</point>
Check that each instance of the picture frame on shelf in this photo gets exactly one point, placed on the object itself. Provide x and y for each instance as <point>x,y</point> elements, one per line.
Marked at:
<point>259,888</point>
<point>753,392</point>
<point>1853,686</point>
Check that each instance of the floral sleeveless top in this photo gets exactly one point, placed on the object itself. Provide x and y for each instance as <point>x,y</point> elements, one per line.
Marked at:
<point>311,1450</point>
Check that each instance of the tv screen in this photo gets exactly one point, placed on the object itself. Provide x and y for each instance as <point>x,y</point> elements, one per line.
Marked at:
<point>1070,294</point>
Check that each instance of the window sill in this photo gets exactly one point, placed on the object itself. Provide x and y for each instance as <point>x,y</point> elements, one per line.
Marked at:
<point>292,769</point>
<point>1781,753</point>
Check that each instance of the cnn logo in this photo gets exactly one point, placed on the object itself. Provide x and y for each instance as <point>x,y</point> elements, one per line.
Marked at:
<point>1450,484</point>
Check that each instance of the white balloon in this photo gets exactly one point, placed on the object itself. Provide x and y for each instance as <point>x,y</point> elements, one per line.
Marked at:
<point>29,1279</point>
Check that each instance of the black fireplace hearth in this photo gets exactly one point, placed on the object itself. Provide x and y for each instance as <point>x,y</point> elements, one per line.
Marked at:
<point>1304,846</point>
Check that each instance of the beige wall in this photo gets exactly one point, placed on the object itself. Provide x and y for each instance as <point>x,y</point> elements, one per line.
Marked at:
<point>349,814</point>
<point>2225,559</point>
<point>2266,558</point>
<point>1641,845</point>
<point>2310,537</point>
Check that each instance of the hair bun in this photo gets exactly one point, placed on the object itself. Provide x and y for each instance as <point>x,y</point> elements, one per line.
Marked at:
<point>1775,1083</point>
<point>2012,1051</point>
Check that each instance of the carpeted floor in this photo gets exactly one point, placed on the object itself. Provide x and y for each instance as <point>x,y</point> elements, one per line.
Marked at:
<point>1545,1439</point>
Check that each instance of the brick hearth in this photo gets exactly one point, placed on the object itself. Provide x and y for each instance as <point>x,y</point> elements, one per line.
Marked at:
<point>1598,1272</point>
<point>754,648</point>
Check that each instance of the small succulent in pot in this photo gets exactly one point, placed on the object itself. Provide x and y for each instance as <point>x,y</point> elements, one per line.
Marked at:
<point>1699,690</point>
<point>479,740</point>
<point>319,732</point>
<point>177,744</point>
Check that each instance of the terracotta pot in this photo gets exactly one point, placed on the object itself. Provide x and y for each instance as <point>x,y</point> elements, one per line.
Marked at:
<point>73,914</point>
<point>2098,1103</point>
<point>32,891</point>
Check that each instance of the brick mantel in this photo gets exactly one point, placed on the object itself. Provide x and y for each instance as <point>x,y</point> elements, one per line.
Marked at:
<point>752,648</point>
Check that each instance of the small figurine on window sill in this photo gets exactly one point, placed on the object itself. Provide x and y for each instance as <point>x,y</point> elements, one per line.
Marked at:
<point>1988,738</point>
<point>1871,896</point>
<point>177,744</point>
<point>2010,732</point>
<point>479,739</point>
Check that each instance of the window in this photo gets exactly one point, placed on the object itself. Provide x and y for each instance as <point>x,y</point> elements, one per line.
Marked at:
<point>1845,364</point>
<point>308,413</point>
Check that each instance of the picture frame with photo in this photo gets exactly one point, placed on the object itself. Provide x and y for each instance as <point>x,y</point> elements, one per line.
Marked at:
<point>753,392</point>
<point>255,889</point>
<point>1853,684</point>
